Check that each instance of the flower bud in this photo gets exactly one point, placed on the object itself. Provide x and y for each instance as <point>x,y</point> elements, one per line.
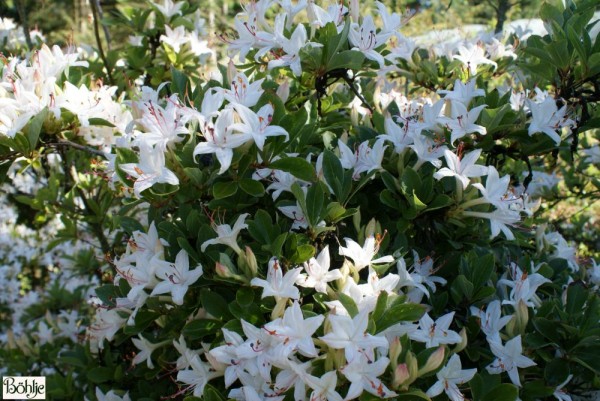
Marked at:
<point>463,341</point>
<point>223,271</point>
<point>371,228</point>
<point>354,10</point>
<point>279,309</point>
<point>395,351</point>
<point>283,91</point>
<point>401,375</point>
<point>433,362</point>
<point>231,71</point>
<point>251,263</point>
<point>413,366</point>
<point>522,317</point>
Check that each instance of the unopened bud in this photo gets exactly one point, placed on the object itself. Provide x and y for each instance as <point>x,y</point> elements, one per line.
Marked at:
<point>395,351</point>
<point>413,366</point>
<point>463,341</point>
<point>283,91</point>
<point>433,362</point>
<point>522,317</point>
<point>251,263</point>
<point>223,271</point>
<point>279,308</point>
<point>231,71</point>
<point>354,10</point>
<point>371,228</point>
<point>401,375</point>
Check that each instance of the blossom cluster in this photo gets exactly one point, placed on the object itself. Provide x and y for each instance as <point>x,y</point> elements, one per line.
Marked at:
<point>297,225</point>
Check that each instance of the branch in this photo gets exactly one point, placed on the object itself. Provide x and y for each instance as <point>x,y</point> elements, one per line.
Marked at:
<point>67,143</point>
<point>104,28</point>
<point>99,41</point>
<point>24,23</point>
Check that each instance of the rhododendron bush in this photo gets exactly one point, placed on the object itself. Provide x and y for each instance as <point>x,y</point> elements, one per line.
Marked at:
<point>314,207</point>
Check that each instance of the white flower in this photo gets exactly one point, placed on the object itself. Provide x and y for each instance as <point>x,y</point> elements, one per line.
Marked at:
<point>463,121</point>
<point>146,348</point>
<point>461,168</point>
<point>363,374</point>
<point>197,377</point>
<point>323,387</point>
<point>499,219</point>
<point>463,93</point>
<point>523,286</point>
<point>363,256</point>
<point>227,235</point>
<point>169,8</point>
<point>175,38</point>
<point>472,56</point>
<point>350,334</point>
<point>508,358</point>
<point>150,170</point>
<point>317,272</point>
<point>163,126</point>
<point>221,140</point>
<point>291,48</point>
<point>106,324</point>
<point>243,92</point>
<point>277,284</point>
<point>491,320</point>
<point>176,277</point>
<point>110,396</point>
<point>435,333</point>
<point>449,377</point>
<point>294,332</point>
<point>560,393</point>
<point>365,39</point>
<point>258,124</point>
<point>546,118</point>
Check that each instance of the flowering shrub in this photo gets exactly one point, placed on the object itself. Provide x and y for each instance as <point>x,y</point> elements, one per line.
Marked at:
<point>342,213</point>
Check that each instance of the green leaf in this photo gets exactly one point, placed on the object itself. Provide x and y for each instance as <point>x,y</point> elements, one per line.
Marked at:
<point>252,187</point>
<point>412,395</point>
<point>179,82</point>
<point>380,306</point>
<point>440,201</point>
<point>576,298</point>
<point>315,198</point>
<point>34,128</point>
<point>348,59</point>
<point>99,374</point>
<point>245,296</point>
<point>100,122</point>
<point>502,392</point>
<point>550,13</point>
<point>410,182</point>
<point>300,196</point>
<point>214,304</point>
<point>482,270</point>
<point>303,253</point>
<point>334,175</point>
<point>348,303</point>
<point>400,313</point>
<point>262,228</point>
<point>296,166</point>
<point>212,394</point>
<point>225,189</point>
<point>556,371</point>
<point>198,329</point>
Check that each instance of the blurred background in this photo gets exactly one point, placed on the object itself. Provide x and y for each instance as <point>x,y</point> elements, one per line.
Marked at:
<point>68,21</point>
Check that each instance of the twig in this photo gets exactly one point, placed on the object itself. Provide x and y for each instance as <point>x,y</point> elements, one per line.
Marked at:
<point>64,142</point>
<point>104,28</point>
<point>99,41</point>
<point>24,23</point>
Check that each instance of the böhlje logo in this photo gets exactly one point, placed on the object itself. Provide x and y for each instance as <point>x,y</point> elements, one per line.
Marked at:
<point>24,388</point>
